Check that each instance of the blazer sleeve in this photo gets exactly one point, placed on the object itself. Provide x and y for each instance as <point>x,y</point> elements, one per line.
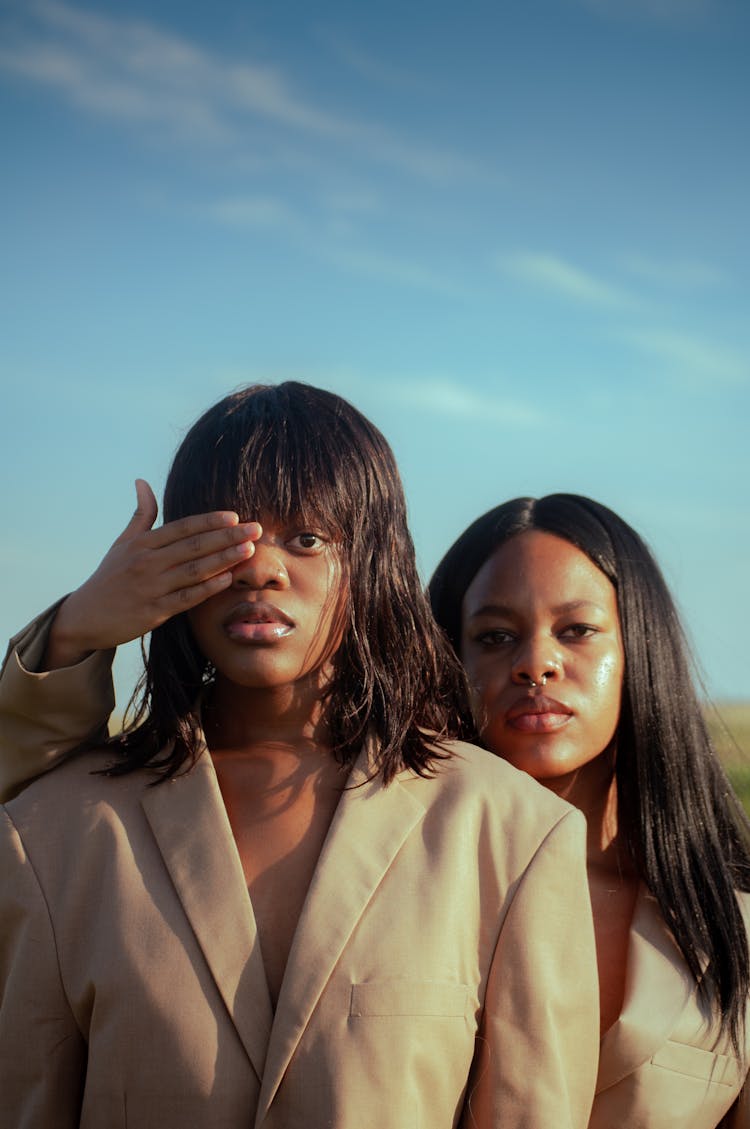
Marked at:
<point>44,716</point>
<point>42,1051</point>
<point>538,1044</point>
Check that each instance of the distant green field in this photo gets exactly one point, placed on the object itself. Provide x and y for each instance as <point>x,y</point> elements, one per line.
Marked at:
<point>729,724</point>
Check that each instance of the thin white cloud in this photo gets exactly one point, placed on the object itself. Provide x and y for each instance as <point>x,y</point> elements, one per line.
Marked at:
<point>685,274</point>
<point>403,272</point>
<point>693,357</point>
<point>454,400</point>
<point>253,212</point>
<point>441,396</point>
<point>330,242</point>
<point>115,69</point>
<point>554,274</point>
<point>133,70</point>
<point>367,66</point>
<point>362,201</point>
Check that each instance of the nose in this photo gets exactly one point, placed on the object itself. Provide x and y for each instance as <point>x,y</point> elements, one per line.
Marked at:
<point>264,569</point>
<point>536,662</point>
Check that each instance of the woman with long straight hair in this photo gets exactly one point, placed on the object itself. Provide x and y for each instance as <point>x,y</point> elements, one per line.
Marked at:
<point>579,676</point>
<point>286,895</point>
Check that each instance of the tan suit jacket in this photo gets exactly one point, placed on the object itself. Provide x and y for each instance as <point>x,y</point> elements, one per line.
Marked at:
<point>660,1066</point>
<point>442,973</point>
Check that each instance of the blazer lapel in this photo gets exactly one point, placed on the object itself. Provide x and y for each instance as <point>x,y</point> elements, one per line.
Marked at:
<point>191,827</point>
<point>657,989</point>
<point>369,827</point>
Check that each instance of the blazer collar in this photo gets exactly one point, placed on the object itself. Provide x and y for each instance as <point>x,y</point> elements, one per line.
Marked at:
<point>658,986</point>
<point>368,829</point>
<point>191,827</point>
<point>190,824</point>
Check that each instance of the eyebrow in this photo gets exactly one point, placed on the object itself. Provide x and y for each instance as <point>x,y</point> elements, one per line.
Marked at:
<point>560,609</point>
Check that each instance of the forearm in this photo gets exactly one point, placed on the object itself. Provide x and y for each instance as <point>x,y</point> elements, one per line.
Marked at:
<point>46,714</point>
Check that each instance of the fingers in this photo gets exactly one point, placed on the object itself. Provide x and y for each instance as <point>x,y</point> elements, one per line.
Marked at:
<point>195,526</point>
<point>153,574</point>
<point>201,554</point>
<point>201,565</point>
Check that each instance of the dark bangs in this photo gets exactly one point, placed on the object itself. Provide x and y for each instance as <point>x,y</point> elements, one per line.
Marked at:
<point>287,450</point>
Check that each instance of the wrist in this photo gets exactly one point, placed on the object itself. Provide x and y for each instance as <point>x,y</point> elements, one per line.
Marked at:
<point>66,643</point>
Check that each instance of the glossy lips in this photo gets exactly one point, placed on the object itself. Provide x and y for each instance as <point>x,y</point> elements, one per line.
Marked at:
<point>537,714</point>
<point>257,622</point>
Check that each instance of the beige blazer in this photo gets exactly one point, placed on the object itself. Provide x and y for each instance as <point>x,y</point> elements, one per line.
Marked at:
<point>659,1066</point>
<point>442,973</point>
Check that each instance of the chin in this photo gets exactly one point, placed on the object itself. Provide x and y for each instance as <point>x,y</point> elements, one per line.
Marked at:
<point>543,764</point>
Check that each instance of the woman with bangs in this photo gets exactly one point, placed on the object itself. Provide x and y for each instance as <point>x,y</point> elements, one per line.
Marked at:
<point>579,677</point>
<point>287,895</point>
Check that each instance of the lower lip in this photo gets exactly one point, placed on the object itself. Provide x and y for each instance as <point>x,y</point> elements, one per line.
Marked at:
<point>539,722</point>
<point>258,632</point>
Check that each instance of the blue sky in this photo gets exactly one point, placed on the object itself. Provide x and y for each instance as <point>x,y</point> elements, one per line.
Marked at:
<point>514,234</point>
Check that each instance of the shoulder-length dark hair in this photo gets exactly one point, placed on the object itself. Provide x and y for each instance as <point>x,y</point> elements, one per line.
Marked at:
<point>684,826</point>
<point>294,451</point>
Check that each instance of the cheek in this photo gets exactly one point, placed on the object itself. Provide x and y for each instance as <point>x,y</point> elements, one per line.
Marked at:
<point>606,689</point>
<point>607,676</point>
<point>486,682</point>
<point>197,622</point>
<point>203,624</point>
<point>333,619</point>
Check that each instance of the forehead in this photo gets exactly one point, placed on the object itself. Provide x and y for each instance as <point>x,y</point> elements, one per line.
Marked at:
<point>538,569</point>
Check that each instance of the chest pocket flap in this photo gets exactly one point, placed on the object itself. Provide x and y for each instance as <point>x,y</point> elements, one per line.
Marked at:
<point>695,1062</point>
<point>408,997</point>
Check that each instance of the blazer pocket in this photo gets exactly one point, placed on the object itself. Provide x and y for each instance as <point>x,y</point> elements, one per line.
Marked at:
<point>696,1062</point>
<point>408,997</point>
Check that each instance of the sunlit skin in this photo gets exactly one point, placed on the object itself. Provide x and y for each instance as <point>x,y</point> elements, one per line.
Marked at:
<point>540,609</point>
<point>271,636</point>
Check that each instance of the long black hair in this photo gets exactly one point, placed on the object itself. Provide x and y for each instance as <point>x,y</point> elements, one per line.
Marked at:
<point>685,829</point>
<point>294,451</point>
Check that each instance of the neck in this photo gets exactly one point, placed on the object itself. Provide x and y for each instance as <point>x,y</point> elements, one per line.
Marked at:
<point>241,718</point>
<point>593,790</point>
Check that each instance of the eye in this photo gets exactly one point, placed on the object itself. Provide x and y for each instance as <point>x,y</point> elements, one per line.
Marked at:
<point>496,637</point>
<point>308,542</point>
<point>579,631</point>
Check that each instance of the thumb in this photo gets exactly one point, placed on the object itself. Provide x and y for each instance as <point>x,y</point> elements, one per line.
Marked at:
<point>145,512</point>
<point>147,507</point>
